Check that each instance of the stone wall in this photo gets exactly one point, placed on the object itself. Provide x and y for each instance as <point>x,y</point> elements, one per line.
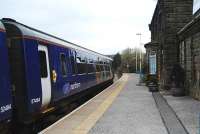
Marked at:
<point>190,36</point>
<point>177,33</point>
<point>169,17</point>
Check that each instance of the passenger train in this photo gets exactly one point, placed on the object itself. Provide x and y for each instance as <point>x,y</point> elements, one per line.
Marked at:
<point>39,70</point>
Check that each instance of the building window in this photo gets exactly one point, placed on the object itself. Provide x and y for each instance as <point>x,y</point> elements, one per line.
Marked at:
<point>182,53</point>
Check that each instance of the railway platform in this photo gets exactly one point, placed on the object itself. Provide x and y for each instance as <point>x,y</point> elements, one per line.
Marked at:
<point>122,108</point>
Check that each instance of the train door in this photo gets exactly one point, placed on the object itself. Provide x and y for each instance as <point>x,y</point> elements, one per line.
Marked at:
<point>45,75</point>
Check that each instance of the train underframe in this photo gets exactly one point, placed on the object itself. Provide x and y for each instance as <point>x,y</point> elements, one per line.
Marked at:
<point>45,119</point>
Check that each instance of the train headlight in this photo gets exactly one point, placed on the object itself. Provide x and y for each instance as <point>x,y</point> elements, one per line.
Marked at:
<point>54,76</point>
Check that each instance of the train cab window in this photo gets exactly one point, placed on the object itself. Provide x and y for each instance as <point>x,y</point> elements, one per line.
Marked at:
<point>43,64</point>
<point>63,64</point>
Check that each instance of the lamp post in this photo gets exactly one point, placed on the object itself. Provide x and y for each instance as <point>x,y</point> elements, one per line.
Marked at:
<point>127,67</point>
<point>136,61</point>
<point>140,36</point>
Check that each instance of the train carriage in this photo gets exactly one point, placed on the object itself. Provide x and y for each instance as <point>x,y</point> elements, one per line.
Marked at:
<point>46,69</point>
<point>5,92</point>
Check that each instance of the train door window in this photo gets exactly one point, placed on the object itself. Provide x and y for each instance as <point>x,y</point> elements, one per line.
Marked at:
<point>63,64</point>
<point>43,64</point>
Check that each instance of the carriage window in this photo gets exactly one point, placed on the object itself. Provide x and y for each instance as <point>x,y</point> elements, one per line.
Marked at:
<point>101,68</point>
<point>73,65</point>
<point>98,68</point>
<point>110,68</point>
<point>43,64</point>
<point>90,68</point>
<point>81,67</point>
<point>106,68</point>
<point>63,64</point>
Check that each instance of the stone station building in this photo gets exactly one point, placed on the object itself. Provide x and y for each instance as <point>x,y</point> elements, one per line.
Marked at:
<point>175,37</point>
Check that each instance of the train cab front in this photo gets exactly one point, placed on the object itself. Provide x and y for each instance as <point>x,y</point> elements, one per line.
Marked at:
<point>5,91</point>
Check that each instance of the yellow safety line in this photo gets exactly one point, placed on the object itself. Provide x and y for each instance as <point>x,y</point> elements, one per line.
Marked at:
<point>115,85</point>
<point>89,122</point>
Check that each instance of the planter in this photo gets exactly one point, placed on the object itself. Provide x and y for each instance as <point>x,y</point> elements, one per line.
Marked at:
<point>153,87</point>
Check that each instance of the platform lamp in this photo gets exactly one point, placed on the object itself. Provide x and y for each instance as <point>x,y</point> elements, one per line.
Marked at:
<point>136,61</point>
<point>140,36</point>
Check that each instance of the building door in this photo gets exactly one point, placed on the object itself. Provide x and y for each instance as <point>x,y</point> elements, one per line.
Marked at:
<point>45,75</point>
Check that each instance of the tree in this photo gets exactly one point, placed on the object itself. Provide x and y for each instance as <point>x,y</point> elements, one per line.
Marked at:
<point>129,57</point>
<point>116,61</point>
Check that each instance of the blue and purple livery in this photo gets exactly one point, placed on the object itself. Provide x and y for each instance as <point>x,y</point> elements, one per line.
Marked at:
<point>5,90</point>
<point>44,70</point>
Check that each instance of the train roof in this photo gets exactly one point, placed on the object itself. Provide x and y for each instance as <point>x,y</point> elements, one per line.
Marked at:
<point>31,32</point>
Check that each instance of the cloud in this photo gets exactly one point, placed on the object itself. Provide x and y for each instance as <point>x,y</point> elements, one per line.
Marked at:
<point>106,26</point>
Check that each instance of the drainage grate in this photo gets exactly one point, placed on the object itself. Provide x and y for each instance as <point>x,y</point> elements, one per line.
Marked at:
<point>169,117</point>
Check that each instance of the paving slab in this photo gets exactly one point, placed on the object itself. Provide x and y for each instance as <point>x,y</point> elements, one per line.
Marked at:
<point>188,111</point>
<point>169,117</point>
<point>133,112</point>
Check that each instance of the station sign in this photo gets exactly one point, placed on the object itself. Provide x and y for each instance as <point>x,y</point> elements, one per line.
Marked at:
<point>152,64</point>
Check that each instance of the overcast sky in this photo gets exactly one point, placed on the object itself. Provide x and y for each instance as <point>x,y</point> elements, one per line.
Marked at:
<point>106,26</point>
